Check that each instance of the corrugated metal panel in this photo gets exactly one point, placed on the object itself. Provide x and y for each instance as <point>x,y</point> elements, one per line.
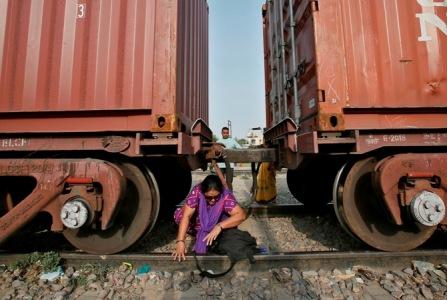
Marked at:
<point>356,56</point>
<point>65,55</point>
<point>70,55</point>
<point>386,63</point>
<point>291,61</point>
<point>192,77</point>
<point>267,66</point>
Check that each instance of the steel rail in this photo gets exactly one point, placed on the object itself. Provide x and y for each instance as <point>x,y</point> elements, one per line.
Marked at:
<point>272,210</point>
<point>300,261</point>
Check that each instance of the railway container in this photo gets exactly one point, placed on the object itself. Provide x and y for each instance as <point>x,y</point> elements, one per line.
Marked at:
<point>97,98</point>
<point>356,98</point>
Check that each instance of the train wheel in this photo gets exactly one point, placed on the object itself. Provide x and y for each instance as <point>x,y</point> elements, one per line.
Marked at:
<point>150,178</point>
<point>361,210</point>
<point>311,182</point>
<point>337,193</point>
<point>134,217</point>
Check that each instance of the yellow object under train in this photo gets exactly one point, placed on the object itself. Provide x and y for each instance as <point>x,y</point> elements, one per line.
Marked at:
<point>266,183</point>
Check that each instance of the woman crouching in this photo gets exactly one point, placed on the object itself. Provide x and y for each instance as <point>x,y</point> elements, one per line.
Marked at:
<point>209,209</point>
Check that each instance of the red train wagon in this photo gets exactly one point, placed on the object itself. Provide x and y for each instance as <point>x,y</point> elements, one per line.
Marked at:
<point>356,98</point>
<point>102,105</point>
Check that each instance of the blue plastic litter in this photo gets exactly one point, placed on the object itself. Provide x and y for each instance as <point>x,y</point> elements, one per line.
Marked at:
<point>143,269</point>
<point>51,276</point>
<point>263,250</point>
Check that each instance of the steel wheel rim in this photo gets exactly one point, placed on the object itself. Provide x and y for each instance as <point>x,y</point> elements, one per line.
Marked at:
<point>131,221</point>
<point>367,222</point>
<point>155,197</point>
<point>337,191</point>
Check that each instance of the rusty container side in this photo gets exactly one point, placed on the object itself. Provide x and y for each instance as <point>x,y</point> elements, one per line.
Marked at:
<point>382,56</point>
<point>359,64</point>
<point>291,66</point>
<point>401,66</point>
<point>267,67</point>
<point>192,74</point>
<point>115,59</point>
<point>273,63</point>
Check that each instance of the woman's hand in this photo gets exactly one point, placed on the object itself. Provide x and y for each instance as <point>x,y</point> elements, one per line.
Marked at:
<point>210,237</point>
<point>180,251</point>
<point>180,247</point>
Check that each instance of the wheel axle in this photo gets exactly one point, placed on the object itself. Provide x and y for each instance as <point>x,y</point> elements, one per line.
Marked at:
<point>427,208</point>
<point>75,213</point>
<point>363,213</point>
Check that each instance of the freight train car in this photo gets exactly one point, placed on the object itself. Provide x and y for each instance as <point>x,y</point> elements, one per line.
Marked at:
<point>102,105</point>
<point>356,97</point>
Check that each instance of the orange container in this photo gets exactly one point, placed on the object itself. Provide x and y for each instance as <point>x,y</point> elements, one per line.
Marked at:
<point>337,65</point>
<point>101,65</point>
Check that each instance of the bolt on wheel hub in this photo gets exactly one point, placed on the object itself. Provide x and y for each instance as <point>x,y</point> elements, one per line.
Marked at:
<point>74,214</point>
<point>427,208</point>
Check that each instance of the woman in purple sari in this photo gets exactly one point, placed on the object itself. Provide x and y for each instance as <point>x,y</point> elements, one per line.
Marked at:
<point>210,208</point>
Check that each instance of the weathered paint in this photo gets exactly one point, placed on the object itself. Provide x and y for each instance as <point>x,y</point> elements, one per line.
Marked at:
<point>128,60</point>
<point>402,177</point>
<point>48,195</point>
<point>359,64</point>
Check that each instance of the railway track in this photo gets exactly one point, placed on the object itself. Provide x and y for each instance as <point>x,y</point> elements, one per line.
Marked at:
<point>270,269</point>
<point>282,228</point>
<point>300,261</point>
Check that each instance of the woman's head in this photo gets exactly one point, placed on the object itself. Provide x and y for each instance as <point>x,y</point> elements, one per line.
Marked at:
<point>211,187</point>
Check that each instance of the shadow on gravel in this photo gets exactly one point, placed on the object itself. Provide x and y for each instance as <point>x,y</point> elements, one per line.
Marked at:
<point>322,229</point>
<point>163,233</point>
<point>437,241</point>
<point>44,241</point>
<point>161,239</point>
<point>36,236</point>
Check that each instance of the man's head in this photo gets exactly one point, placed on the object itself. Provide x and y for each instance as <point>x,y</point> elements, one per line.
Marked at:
<point>225,132</point>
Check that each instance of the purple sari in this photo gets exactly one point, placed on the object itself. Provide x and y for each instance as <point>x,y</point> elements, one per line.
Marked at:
<point>207,215</point>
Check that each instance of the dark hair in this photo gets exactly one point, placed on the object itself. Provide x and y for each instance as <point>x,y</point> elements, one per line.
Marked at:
<point>211,182</point>
<point>225,128</point>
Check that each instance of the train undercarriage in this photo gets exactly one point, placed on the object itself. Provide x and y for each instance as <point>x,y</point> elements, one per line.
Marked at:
<point>391,201</point>
<point>99,206</point>
<point>387,190</point>
<point>395,203</point>
<point>103,193</point>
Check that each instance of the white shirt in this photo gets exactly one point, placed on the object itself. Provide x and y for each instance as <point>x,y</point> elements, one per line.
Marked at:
<point>229,143</point>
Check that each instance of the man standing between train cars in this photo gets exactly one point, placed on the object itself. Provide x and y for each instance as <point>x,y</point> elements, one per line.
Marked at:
<point>229,143</point>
